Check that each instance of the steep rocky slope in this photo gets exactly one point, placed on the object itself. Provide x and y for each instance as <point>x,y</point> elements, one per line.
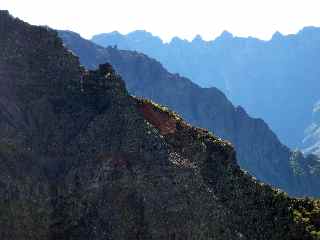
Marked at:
<point>82,159</point>
<point>258,149</point>
<point>276,80</point>
<point>312,138</point>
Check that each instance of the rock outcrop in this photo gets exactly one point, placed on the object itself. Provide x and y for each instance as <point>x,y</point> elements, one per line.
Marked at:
<point>258,149</point>
<point>82,159</point>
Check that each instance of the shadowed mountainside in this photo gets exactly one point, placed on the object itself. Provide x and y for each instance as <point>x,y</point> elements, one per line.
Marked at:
<point>82,159</point>
<point>258,149</point>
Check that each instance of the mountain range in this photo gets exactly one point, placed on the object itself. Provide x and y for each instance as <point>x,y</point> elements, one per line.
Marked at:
<point>82,159</point>
<point>258,149</point>
<point>276,80</point>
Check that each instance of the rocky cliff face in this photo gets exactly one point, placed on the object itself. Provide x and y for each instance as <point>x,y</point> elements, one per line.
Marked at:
<point>258,149</point>
<point>82,159</point>
<point>312,138</point>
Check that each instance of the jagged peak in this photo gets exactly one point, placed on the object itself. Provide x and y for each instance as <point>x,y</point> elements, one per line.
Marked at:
<point>226,35</point>
<point>277,35</point>
<point>197,39</point>
<point>176,40</point>
<point>115,33</point>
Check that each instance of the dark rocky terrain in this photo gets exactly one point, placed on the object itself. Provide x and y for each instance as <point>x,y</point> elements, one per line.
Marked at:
<point>258,149</point>
<point>82,159</point>
<point>276,80</point>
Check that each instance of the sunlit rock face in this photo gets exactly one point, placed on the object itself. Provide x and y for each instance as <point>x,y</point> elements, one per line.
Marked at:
<point>312,139</point>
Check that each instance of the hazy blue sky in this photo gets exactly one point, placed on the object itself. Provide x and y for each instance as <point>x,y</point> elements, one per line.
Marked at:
<point>168,18</point>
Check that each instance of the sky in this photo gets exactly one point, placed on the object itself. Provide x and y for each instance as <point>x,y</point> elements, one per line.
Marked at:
<point>169,18</point>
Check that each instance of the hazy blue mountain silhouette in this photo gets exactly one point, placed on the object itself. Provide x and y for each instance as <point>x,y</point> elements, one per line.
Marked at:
<point>277,80</point>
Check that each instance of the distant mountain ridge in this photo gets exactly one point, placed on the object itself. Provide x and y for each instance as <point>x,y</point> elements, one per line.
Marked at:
<point>276,80</point>
<point>258,149</point>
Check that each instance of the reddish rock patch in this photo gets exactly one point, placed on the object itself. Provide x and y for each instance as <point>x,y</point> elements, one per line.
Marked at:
<point>161,120</point>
